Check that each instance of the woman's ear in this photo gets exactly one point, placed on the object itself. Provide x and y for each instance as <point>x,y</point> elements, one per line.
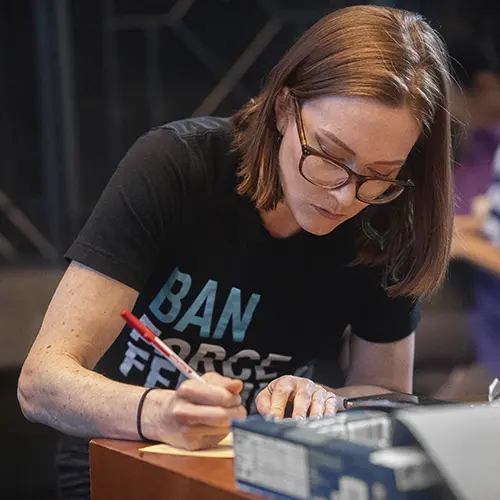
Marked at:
<point>283,110</point>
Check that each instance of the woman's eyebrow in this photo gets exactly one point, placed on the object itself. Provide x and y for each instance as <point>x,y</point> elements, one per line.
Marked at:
<point>331,136</point>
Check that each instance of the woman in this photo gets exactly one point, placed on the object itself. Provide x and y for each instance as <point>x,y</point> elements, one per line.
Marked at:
<point>250,244</point>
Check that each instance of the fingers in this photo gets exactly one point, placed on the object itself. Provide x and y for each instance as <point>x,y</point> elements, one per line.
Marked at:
<point>315,400</point>
<point>208,394</point>
<point>331,404</point>
<point>222,393</point>
<point>199,414</point>
<point>188,414</point>
<point>234,386</point>
<point>263,401</point>
<point>281,392</point>
<point>319,399</point>
<point>189,431</point>
<point>198,437</point>
<point>308,398</point>
<point>304,396</point>
<point>324,403</point>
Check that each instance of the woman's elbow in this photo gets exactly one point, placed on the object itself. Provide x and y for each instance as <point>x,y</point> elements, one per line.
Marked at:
<point>28,390</point>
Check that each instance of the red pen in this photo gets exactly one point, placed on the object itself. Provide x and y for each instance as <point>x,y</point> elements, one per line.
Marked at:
<point>160,346</point>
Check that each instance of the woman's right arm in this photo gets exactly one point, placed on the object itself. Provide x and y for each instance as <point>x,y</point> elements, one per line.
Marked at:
<point>57,386</point>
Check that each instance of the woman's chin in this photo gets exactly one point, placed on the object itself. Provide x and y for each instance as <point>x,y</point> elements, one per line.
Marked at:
<point>319,227</point>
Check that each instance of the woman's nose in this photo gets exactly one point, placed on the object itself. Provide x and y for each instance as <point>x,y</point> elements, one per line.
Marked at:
<point>345,195</point>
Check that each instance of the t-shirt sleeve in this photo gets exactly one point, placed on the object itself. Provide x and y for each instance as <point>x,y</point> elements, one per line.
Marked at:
<point>138,213</point>
<point>378,317</point>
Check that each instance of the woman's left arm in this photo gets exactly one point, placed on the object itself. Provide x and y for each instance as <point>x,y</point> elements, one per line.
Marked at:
<point>374,368</point>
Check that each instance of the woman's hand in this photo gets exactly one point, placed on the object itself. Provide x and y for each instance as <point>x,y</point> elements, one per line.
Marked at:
<point>307,398</point>
<point>196,415</point>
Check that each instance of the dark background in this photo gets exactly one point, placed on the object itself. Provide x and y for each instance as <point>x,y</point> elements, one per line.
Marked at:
<point>80,80</point>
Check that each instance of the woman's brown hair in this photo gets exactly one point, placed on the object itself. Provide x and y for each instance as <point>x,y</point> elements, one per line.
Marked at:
<point>395,57</point>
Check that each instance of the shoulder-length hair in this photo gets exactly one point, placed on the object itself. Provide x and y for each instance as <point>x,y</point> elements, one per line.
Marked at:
<point>393,56</point>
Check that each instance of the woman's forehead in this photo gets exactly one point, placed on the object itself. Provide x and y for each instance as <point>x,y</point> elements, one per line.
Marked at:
<point>364,124</point>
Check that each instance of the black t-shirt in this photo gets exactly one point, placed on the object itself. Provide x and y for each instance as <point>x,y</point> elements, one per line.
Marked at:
<point>213,283</point>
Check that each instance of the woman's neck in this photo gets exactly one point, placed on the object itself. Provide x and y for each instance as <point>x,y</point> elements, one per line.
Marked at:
<point>279,222</point>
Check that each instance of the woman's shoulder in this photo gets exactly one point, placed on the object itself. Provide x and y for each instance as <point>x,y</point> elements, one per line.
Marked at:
<point>201,138</point>
<point>199,127</point>
<point>197,151</point>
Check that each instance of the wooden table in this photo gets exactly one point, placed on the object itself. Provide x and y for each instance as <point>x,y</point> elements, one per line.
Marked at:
<point>118,470</point>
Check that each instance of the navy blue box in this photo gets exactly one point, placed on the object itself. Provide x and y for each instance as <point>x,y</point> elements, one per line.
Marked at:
<point>352,456</point>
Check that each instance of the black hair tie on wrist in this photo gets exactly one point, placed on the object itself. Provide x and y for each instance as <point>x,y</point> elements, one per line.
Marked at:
<point>139,413</point>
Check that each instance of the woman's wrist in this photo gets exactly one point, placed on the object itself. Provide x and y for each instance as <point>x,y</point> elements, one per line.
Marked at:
<point>152,413</point>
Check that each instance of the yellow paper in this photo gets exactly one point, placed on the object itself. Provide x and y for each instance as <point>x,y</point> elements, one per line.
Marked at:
<point>222,450</point>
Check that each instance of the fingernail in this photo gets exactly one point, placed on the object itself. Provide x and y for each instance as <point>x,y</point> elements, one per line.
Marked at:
<point>270,416</point>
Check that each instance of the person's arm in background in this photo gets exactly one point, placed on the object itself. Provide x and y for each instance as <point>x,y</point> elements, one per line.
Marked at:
<point>469,240</point>
<point>477,236</point>
<point>470,244</point>
<point>477,240</point>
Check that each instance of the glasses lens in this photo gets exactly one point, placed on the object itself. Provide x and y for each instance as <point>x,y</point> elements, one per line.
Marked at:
<point>323,172</point>
<point>377,191</point>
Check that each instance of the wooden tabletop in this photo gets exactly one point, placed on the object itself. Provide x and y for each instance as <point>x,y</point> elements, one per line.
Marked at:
<point>118,470</point>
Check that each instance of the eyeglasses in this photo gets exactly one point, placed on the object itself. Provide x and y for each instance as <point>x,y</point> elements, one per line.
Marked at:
<point>326,172</point>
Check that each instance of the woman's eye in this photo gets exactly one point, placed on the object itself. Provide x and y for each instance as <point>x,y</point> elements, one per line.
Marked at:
<point>333,155</point>
<point>392,175</point>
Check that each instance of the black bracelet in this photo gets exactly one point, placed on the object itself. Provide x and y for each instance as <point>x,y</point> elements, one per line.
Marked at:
<point>139,413</point>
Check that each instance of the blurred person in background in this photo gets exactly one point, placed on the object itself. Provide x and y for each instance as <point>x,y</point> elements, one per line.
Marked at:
<point>477,241</point>
<point>475,272</point>
<point>475,104</point>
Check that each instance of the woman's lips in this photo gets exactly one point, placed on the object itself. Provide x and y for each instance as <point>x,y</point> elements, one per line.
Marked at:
<point>327,214</point>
